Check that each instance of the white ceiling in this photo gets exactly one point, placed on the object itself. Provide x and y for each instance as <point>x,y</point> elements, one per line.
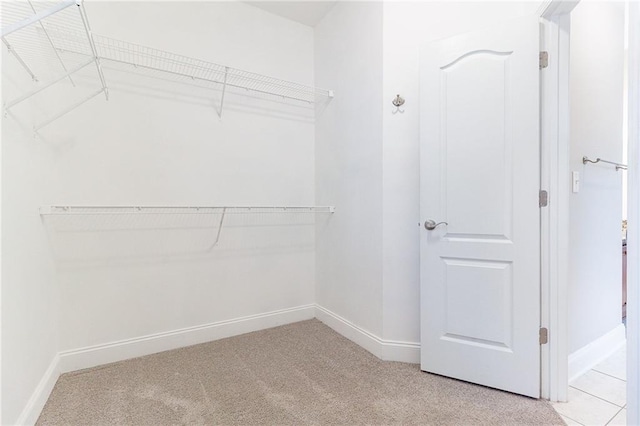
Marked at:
<point>304,12</point>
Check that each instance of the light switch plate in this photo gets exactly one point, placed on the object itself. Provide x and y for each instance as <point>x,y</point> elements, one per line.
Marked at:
<point>575,179</point>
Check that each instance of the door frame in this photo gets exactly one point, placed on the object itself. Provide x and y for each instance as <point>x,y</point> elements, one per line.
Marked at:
<point>633,208</point>
<point>555,142</point>
<point>554,162</point>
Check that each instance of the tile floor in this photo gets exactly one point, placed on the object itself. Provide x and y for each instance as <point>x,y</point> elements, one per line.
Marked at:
<point>599,397</point>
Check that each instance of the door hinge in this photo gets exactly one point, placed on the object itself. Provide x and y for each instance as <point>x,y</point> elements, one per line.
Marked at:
<point>544,59</point>
<point>544,336</point>
<point>543,198</point>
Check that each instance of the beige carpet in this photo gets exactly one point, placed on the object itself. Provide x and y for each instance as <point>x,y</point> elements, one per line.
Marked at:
<point>297,374</point>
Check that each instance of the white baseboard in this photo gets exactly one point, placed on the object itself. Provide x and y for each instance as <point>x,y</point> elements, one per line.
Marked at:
<point>587,357</point>
<point>78,359</point>
<point>387,350</point>
<point>40,395</point>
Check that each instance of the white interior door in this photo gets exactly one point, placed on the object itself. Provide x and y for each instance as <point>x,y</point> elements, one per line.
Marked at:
<point>480,173</point>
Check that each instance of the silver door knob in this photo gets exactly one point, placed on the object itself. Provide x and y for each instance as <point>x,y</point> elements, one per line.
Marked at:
<point>430,225</point>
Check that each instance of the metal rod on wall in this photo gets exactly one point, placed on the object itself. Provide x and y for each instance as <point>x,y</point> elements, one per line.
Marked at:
<point>619,166</point>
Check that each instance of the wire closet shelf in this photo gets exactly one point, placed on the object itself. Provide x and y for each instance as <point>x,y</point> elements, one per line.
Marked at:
<point>222,211</point>
<point>188,69</point>
<point>111,210</point>
<point>63,35</point>
<point>31,33</point>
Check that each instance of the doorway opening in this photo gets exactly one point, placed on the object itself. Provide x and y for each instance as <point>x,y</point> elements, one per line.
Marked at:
<point>596,332</point>
<point>587,215</point>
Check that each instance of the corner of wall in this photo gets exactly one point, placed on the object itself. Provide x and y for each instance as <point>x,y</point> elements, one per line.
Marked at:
<point>587,357</point>
<point>348,163</point>
<point>40,395</point>
<point>387,350</point>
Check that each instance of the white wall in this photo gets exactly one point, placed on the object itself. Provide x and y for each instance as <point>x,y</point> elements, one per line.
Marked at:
<point>407,27</point>
<point>348,59</point>
<point>596,131</point>
<point>29,322</point>
<point>156,143</point>
<point>127,277</point>
<point>367,258</point>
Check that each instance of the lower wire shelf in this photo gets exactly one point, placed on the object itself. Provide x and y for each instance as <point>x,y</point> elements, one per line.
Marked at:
<point>219,210</point>
<point>109,210</point>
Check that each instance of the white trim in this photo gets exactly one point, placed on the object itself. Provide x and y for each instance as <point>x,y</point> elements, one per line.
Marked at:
<point>560,309</point>
<point>92,356</point>
<point>554,105</point>
<point>550,8</point>
<point>40,395</point>
<point>548,216</point>
<point>557,12</point>
<point>633,206</point>
<point>387,350</point>
<point>587,357</point>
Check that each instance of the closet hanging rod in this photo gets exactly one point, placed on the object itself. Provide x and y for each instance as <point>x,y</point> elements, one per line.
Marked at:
<point>619,166</point>
<point>111,210</point>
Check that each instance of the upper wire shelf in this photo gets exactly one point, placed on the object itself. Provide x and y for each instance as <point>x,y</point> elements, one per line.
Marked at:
<point>30,32</point>
<point>63,36</point>
<point>184,68</point>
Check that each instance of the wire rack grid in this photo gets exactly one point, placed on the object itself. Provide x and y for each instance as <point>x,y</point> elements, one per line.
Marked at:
<point>38,35</point>
<point>37,45</point>
<point>111,210</point>
<point>186,68</point>
<point>174,211</point>
<point>58,42</point>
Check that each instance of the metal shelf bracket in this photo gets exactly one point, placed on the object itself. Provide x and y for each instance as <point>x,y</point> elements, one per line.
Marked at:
<point>224,89</point>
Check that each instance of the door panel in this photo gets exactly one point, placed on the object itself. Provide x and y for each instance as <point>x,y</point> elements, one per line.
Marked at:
<point>480,279</point>
<point>476,135</point>
<point>482,287</point>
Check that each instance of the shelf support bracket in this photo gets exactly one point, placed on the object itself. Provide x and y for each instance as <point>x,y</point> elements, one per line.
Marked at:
<point>19,59</point>
<point>94,51</point>
<point>46,33</point>
<point>71,108</point>
<point>215,243</point>
<point>41,88</point>
<point>224,90</point>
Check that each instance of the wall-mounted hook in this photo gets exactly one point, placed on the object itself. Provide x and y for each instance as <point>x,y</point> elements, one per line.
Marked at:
<point>398,102</point>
